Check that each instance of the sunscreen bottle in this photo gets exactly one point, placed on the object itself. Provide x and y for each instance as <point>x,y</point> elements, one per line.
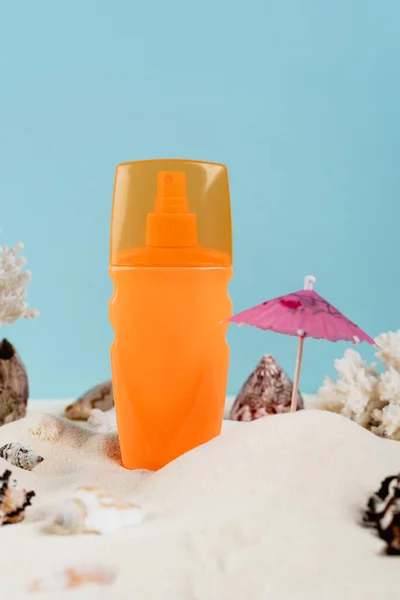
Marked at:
<point>170,264</point>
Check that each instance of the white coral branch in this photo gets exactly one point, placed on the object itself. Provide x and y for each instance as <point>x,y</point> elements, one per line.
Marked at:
<point>388,420</point>
<point>389,386</point>
<point>364,395</point>
<point>389,349</point>
<point>13,282</point>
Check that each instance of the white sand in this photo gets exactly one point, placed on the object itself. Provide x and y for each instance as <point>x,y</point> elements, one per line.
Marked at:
<point>267,511</point>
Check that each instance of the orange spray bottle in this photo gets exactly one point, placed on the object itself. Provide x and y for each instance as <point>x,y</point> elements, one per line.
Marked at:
<point>170,263</point>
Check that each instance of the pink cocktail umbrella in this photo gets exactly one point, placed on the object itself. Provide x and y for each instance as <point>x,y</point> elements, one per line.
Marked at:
<point>303,314</point>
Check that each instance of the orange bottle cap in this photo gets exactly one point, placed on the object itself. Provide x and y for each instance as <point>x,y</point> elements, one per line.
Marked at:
<point>171,212</point>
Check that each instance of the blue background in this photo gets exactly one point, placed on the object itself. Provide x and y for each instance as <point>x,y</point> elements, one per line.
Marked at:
<point>299,98</point>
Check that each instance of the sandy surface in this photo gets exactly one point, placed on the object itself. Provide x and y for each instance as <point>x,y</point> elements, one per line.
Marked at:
<point>269,510</point>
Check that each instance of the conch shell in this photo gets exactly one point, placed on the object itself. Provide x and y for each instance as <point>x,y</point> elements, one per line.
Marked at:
<point>267,391</point>
<point>101,396</point>
<point>93,510</point>
<point>14,389</point>
<point>20,456</point>
<point>72,578</point>
<point>13,500</point>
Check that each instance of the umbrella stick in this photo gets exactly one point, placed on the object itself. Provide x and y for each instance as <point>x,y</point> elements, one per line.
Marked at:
<point>293,406</point>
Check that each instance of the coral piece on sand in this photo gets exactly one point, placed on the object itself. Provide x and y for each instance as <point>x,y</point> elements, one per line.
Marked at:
<point>101,396</point>
<point>20,456</point>
<point>14,389</point>
<point>267,391</point>
<point>383,513</point>
<point>13,500</point>
<point>364,395</point>
<point>93,510</point>
<point>49,429</point>
<point>73,578</point>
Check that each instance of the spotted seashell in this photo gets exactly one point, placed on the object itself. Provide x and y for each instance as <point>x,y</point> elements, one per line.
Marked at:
<point>101,396</point>
<point>73,578</point>
<point>14,389</point>
<point>13,500</point>
<point>93,510</point>
<point>20,456</point>
<point>267,391</point>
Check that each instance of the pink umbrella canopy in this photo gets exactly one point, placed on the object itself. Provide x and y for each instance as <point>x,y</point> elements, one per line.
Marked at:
<point>303,314</point>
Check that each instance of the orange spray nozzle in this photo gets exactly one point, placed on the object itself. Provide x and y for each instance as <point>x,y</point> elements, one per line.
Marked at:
<point>171,224</point>
<point>171,193</point>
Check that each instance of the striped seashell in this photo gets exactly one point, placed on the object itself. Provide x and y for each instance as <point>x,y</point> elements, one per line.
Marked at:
<point>101,396</point>
<point>13,500</point>
<point>73,578</point>
<point>93,510</point>
<point>20,456</point>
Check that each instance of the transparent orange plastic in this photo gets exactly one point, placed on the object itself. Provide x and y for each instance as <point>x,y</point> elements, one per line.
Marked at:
<point>171,259</point>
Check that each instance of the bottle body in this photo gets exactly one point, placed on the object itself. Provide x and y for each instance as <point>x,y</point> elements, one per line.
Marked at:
<point>169,359</point>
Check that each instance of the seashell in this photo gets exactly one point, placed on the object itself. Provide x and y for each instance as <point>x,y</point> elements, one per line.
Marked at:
<point>73,578</point>
<point>267,391</point>
<point>383,513</point>
<point>14,390</point>
<point>93,510</point>
<point>101,396</point>
<point>13,500</point>
<point>20,456</point>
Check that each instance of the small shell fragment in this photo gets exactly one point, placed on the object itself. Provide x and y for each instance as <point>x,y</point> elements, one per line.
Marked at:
<point>20,456</point>
<point>72,578</point>
<point>13,500</point>
<point>100,396</point>
<point>93,510</point>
